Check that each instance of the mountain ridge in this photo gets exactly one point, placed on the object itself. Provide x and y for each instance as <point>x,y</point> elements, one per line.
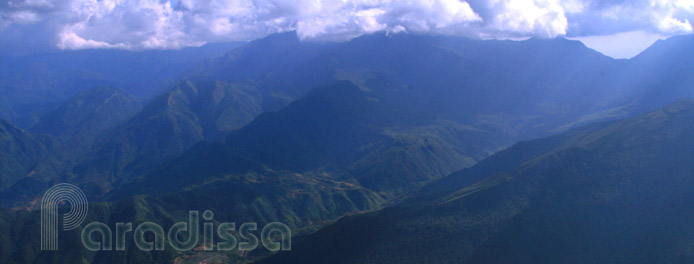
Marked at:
<point>579,201</point>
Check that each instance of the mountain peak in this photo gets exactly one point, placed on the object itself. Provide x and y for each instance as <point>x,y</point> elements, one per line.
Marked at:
<point>90,112</point>
<point>680,45</point>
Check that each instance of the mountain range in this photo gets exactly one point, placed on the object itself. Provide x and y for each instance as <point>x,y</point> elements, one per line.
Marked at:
<point>32,85</point>
<point>615,192</point>
<point>407,139</point>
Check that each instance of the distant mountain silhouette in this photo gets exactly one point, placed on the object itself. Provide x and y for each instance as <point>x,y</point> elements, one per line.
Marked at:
<point>32,85</point>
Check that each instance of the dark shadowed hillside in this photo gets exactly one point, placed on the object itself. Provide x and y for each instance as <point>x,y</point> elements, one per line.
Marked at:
<point>662,73</point>
<point>343,131</point>
<point>167,126</point>
<point>26,156</point>
<point>615,193</point>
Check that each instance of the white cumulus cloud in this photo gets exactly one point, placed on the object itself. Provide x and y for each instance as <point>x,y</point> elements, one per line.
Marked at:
<point>165,24</point>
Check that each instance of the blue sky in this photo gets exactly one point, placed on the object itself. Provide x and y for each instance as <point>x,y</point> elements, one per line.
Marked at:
<point>623,45</point>
<point>619,28</point>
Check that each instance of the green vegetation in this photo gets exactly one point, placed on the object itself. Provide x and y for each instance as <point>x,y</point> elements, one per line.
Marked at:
<point>165,128</point>
<point>321,136</point>
<point>25,156</point>
<point>618,193</point>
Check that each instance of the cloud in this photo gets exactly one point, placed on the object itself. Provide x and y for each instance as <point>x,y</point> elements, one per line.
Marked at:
<point>343,21</point>
<point>520,18</point>
<point>166,24</point>
<point>665,17</point>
